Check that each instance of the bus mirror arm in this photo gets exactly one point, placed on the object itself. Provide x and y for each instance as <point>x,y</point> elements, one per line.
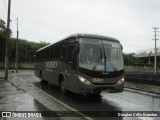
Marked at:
<point>122,47</point>
<point>76,48</point>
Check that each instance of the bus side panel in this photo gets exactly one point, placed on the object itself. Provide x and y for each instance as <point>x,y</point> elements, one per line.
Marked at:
<point>61,66</point>
<point>52,74</point>
<point>39,67</point>
<point>71,79</point>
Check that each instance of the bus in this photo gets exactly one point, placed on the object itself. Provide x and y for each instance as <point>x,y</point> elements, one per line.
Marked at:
<point>82,63</point>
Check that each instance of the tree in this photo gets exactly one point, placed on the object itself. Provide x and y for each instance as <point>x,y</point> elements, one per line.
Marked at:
<point>129,59</point>
<point>26,49</point>
<point>2,39</point>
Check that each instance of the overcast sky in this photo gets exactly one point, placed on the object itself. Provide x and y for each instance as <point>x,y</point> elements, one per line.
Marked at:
<point>130,21</point>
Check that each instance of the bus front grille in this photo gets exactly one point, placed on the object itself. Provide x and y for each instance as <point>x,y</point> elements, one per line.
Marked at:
<point>103,83</point>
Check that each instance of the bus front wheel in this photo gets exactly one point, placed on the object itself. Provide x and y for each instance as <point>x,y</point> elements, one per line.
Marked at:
<point>119,90</point>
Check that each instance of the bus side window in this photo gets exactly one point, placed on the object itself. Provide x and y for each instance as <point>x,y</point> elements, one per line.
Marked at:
<point>71,54</point>
<point>53,52</point>
<point>63,51</point>
<point>57,51</point>
<point>49,54</point>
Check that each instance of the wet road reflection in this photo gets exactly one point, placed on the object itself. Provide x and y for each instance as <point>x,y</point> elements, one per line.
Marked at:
<point>15,98</point>
<point>125,101</point>
<point>80,102</point>
<point>129,100</point>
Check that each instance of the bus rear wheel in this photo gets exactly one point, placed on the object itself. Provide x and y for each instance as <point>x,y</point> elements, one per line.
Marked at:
<point>62,86</point>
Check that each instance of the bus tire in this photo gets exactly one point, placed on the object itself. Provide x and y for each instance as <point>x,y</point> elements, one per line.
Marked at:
<point>97,96</point>
<point>62,86</point>
<point>119,90</point>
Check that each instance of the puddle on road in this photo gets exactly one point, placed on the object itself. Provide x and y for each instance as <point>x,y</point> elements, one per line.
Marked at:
<point>40,106</point>
<point>13,97</point>
<point>45,111</point>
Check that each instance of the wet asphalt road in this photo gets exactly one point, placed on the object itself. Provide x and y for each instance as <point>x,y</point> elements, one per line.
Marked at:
<point>129,100</point>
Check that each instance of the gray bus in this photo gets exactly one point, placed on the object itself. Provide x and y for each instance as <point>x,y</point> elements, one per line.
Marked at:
<point>82,63</point>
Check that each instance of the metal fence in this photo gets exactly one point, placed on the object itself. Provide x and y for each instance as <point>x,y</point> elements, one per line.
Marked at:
<point>141,70</point>
<point>147,53</point>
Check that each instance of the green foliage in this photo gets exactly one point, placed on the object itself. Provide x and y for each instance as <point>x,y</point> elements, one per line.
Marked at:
<point>2,39</point>
<point>2,26</point>
<point>26,49</point>
<point>129,59</point>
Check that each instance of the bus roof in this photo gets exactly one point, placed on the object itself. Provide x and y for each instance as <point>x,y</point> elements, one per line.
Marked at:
<point>82,35</point>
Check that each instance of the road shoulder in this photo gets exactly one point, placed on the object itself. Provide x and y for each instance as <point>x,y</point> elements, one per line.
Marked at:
<point>143,87</point>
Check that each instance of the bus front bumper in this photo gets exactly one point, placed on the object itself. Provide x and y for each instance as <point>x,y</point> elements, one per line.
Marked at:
<point>96,89</point>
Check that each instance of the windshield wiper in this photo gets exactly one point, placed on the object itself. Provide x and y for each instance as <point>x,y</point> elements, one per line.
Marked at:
<point>115,69</point>
<point>100,58</point>
<point>105,60</point>
<point>104,57</point>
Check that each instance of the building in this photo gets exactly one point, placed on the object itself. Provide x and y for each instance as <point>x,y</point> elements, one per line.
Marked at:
<point>147,55</point>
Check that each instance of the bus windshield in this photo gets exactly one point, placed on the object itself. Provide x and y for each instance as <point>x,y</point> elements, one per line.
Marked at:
<point>100,55</point>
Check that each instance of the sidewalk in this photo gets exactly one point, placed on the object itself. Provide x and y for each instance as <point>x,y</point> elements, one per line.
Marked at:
<point>16,95</point>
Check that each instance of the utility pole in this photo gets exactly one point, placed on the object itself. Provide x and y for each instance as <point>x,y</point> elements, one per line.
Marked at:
<point>16,59</point>
<point>7,40</point>
<point>155,55</point>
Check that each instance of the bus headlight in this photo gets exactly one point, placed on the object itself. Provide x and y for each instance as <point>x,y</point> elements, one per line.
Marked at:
<point>84,80</point>
<point>120,81</point>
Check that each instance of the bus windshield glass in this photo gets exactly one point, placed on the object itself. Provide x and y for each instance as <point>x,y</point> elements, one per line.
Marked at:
<point>100,55</point>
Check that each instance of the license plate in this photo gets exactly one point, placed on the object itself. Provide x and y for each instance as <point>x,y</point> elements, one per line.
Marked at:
<point>97,80</point>
<point>107,79</point>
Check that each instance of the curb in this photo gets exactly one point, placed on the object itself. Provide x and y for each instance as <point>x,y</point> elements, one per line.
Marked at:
<point>144,90</point>
<point>59,102</point>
